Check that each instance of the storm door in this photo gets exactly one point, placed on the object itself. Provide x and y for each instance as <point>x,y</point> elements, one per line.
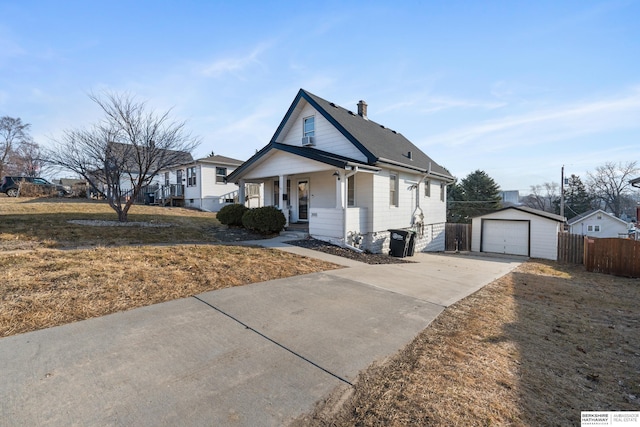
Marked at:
<point>303,200</point>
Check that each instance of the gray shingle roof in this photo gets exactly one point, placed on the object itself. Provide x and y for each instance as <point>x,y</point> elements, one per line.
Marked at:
<point>379,144</point>
<point>382,143</point>
<point>221,160</point>
<point>532,211</point>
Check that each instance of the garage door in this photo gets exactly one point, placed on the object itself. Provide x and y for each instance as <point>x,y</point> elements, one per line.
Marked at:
<point>505,237</point>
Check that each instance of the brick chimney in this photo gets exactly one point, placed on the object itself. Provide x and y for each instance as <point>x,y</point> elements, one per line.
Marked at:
<point>362,109</point>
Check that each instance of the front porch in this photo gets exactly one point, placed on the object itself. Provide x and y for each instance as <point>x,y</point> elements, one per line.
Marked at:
<point>314,204</point>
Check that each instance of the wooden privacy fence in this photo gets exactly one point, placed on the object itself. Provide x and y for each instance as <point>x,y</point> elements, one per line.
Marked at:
<point>620,257</point>
<point>457,237</point>
<point>571,248</point>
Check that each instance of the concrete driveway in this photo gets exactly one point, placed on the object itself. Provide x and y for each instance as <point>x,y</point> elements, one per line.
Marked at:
<point>248,356</point>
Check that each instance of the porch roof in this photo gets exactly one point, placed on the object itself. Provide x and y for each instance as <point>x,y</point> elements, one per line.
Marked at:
<point>325,157</point>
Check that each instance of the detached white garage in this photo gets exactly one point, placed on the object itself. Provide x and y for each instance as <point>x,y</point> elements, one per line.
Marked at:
<point>517,230</point>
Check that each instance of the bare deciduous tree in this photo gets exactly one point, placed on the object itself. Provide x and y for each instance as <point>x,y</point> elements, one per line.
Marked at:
<point>13,133</point>
<point>543,197</point>
<point>610,184</point>
<point>122,154</point>
<point>27,160</point>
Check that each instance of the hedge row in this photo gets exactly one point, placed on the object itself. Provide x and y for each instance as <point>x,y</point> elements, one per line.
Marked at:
<point>265,220</point>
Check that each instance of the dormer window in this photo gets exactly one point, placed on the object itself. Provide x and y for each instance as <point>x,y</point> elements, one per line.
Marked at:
<point>309,126</point>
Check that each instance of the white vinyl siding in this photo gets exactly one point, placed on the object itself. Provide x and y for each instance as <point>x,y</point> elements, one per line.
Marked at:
<point>326,137</point>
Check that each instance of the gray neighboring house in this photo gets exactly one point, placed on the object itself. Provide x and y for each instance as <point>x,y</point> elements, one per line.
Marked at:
<point>598,223</point>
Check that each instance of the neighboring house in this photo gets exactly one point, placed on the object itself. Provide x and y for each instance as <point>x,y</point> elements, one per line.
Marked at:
<point>127,161</point>
<point>598,223</point>
<point>347,178</point>
<point>517,230</point>
<point>202,184</point>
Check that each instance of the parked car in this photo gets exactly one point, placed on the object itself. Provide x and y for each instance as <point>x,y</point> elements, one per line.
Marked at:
<point>11,184</point>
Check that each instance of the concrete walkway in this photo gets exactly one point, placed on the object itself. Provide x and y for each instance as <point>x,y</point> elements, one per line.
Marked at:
<point>256,355</point>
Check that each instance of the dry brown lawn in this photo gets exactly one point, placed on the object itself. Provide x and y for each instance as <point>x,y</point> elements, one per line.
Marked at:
<point>117,269</point>
<point>533,348</point>
<point>28,223</point>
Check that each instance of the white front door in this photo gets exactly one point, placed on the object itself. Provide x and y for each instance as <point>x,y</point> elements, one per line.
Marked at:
<point>303,200</point>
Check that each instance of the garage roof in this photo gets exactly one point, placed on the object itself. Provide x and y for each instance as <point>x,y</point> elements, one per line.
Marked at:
<point>531,211</point>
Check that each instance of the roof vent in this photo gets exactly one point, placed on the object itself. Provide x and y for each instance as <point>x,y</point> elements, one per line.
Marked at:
<point>382,126</point>
<point>410,155</point>
<point>333,105</point>
<point>351,112</point>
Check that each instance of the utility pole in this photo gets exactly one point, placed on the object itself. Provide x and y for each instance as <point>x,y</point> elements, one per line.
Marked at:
<point>562,192</point>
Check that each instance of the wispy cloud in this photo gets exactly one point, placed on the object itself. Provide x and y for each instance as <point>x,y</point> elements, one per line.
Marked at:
<point>235,64</point>
<point>562,121</point>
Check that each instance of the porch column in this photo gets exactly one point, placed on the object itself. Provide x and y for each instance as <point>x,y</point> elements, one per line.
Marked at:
<point>241,191</point>
<point>284,204</point>
<point>339,191</point>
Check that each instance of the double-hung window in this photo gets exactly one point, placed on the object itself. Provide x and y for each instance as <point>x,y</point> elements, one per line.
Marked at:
<point>427,188</point>
<point>442,191</point>
<point>393,189</point>
<point>221,175</point>
<point>191,176</point>
<point>309,126</point>
<point>351,191</point>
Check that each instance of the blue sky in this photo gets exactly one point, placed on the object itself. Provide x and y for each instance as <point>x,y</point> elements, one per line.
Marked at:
<point>516,88</point>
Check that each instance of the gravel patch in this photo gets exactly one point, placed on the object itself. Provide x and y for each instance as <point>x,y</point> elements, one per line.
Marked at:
<point>328,248</point>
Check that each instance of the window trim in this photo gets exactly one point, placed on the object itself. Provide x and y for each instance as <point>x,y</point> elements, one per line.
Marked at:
<point>192,176</point>
<point>442,191</point>
<point>394,200</point>
<point>351,198</point>
<point>311,132</point>
<point>221,178</point>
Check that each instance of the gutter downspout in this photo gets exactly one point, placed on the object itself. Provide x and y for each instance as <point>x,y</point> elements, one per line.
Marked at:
<point>345,202</point>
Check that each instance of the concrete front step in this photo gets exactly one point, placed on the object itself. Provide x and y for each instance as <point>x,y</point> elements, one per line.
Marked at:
<point>294,234</point>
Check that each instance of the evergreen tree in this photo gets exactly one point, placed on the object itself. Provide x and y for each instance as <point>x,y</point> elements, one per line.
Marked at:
<point>476,194</point>
<point>576,198</point>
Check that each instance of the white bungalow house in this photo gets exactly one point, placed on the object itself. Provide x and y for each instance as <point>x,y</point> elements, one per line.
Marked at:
<point>202,184</point>
<point>598,223</point>
<point>347,178</point>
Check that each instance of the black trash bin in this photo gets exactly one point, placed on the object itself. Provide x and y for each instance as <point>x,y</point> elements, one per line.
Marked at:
<point>399,243</point>
<point>149,198</point>
<point>411,247</point>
